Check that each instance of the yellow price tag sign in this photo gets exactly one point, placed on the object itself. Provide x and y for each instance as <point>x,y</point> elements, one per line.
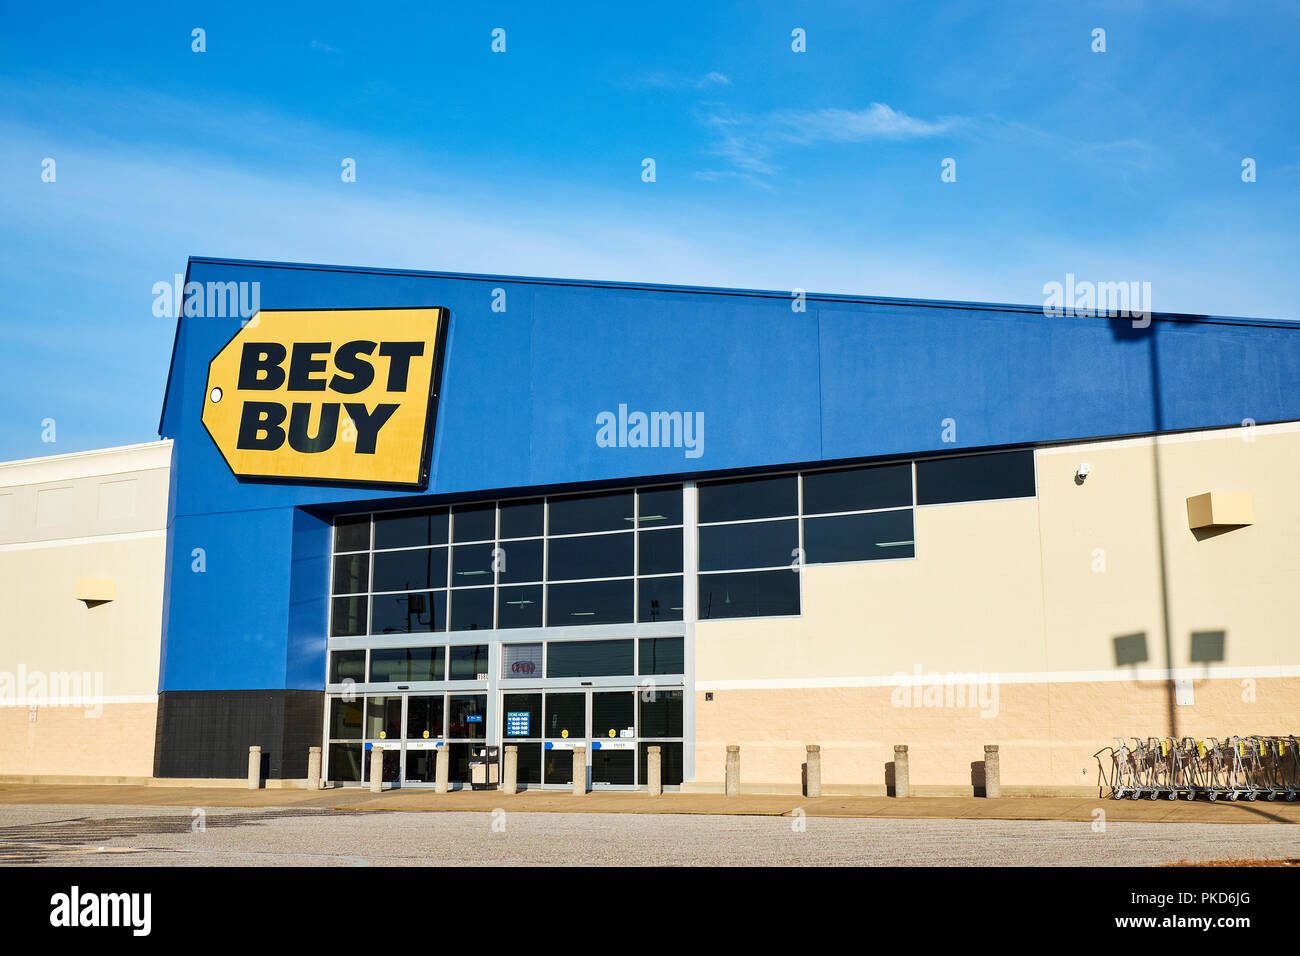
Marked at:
<point>337,396</point>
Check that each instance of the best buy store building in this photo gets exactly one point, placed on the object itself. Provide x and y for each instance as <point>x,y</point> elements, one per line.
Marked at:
<point>419,509</point>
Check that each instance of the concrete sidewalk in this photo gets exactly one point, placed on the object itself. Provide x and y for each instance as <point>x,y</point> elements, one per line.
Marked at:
<point>952,808</point>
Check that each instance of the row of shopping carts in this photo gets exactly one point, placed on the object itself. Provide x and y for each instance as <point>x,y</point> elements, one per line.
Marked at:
<point>1234,768</point>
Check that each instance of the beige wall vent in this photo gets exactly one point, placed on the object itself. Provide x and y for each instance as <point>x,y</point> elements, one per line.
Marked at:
<point>1218,509</point>
<point>96,590</point>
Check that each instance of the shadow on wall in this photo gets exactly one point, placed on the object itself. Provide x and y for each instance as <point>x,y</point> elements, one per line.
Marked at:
<point>890,789</point>
<point>977,778</point>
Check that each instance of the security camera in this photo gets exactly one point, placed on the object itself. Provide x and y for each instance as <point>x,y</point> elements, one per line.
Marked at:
<point>1082,473</point>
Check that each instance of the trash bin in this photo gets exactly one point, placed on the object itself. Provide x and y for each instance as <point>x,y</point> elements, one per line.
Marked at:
<point>484,768</point>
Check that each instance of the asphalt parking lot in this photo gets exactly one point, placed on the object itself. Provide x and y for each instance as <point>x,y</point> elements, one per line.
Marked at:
<point>275,836</point>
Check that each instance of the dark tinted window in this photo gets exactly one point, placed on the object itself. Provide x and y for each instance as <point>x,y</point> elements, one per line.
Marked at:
<point>752,594</point>
<point>474,522</point>
<point>406,664</point>
<point>409,612</point>
<point>415,570</point>
<point>351,573</point>
<point>589,658</point>
<point>352,534</point>
<point>660,551</point>
<point>659,599</point>
<point>468,661</point>
<point>424,718</point>
<point>566,712</point>
<point>467,715</point>
<point>869,537</point>
<point>661,506</point>
<point>345,719</point>
<point>345,763</point>
<point>471,564</point>
<point>521,519</point>
<point>975,477</point>
<point>347,665</point>
<point>661,655</point>
<point>857,489</point>
<point>761,544</point>
<point>471,609</point>
<point>349,617</point>
<point>520,606</point>
<point>411,529</point>
<point>590,556</point>
<point>592,602</point>
<point>519,561</point>
<point>749,498</point>
<point>661,715</point>
<point>606,512</point>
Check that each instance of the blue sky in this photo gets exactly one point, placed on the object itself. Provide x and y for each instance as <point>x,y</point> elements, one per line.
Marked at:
<point>775,169</point>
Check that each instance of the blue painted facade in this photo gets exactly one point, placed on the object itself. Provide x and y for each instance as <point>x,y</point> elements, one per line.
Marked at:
<point>849,378</point>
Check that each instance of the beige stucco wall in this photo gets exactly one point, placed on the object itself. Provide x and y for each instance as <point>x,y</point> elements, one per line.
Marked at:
<point>99,514</point>
<point>1030,593</point>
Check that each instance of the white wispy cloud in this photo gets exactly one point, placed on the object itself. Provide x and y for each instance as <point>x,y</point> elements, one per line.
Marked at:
<point>750,143</point>
<point>661,80</point>
<point>877,121</point>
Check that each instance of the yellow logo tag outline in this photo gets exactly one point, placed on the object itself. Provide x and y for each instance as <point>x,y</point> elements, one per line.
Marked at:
<point>329,396</point>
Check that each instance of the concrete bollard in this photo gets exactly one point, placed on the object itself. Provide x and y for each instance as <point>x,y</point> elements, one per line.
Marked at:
<point>902,785</point>
<point>376,769</point>
<point>814,773</point>
<point>733,770</point>
<point>442,770</point>
<point>579,770</point>
<point>510,771</point>
<point>254,768</point>
<point>313,768</point>
<point>654,772</point>
<point>992,771</point>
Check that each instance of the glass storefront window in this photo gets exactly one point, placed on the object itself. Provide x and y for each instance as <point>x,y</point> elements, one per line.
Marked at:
<point>566,716</point>
<point>351,573</point>
<point>522,519</point>
<point>406,664</point>
<point>383,718</point>
<point>661,655</point>
<point>424,718</point>
<point>411,529</point>
<point>412,612</point>
<point>471,609</point>
<point>474,522</point>
<point>589,658</point>
<point>348,616</point>
<point>661,714</point>
<point>578,514</point>
<point>589,602</point>
<point>345,763</point>
<point>659,599</point>
<point>345,719</point>
<point>467,717</point>
<point>468,662</point>
<point>347,665</point>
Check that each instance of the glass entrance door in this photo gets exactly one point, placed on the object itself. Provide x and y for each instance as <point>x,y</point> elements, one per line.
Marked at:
<point>566,728</point>
<point>425,731</point>
<point>612,755</point>
<point>384,730</point>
